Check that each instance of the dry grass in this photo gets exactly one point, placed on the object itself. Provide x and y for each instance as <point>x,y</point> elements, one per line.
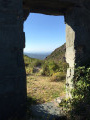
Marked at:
<point>42,90</point>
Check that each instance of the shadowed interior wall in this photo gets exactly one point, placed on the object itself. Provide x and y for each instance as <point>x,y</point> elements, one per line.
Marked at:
<point>12,71</point>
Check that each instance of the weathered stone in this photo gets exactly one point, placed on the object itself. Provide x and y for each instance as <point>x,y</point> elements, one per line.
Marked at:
<point>49,7</point>
<point>77,42</point>
<point>12,71</point>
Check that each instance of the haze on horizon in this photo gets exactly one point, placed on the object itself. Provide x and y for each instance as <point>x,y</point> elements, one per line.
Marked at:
<point>44,33</point>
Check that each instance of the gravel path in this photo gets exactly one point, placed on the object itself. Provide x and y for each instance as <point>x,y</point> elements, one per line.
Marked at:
<point>47,111</point>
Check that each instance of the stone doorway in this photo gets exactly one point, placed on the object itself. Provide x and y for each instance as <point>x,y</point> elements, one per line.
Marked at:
<point>46,81</point>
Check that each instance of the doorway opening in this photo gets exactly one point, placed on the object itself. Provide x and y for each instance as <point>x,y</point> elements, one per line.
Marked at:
<point>44,57</point>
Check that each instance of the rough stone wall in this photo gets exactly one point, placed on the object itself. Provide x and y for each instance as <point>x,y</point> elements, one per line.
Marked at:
<point>77,41</point>
<point>12,71</point>
<point>49,7</point>
<point>70,58</point>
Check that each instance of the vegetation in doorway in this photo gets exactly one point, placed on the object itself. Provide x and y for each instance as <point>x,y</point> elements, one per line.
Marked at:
<point>46,75</point>
<point>78,107</point>
<point>51,84</point>
<point>46,68</point>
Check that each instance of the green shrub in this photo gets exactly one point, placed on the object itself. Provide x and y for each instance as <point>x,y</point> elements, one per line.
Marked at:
<point>79,104</point>
<point>49,68</point>
<point>46,70</point>
<point>63,66</point>
<point>29,70</point>
<point>57,77</point>
<point>31,63</point>
<point>81,91</point>
<point>38,63</point>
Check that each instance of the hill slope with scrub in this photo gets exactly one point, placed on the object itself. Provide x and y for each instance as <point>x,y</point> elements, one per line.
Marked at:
<point>58,54</point>
<point>43,73</point>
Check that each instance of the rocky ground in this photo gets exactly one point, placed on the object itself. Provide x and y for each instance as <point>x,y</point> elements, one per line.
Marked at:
<point>47,111</point>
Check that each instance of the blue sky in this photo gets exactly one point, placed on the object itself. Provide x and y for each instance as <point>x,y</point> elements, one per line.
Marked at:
<point>44,33</point>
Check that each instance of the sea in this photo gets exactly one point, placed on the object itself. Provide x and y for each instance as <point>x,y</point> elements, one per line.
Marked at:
<point>40,56</point>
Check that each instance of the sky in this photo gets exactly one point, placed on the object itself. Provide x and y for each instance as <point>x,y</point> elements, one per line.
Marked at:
<point>44,33</point>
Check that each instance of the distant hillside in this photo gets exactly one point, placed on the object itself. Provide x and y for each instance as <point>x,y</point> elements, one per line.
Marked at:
<point>58,54</point>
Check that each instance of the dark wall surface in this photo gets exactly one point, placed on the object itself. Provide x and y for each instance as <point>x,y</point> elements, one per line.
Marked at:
<point>12,71</point>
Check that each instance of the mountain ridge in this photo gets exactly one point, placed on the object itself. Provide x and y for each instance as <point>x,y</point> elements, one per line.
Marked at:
<point>58,54</point>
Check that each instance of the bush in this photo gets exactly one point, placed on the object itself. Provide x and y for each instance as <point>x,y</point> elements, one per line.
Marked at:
<point>29,70</point>
<point>31,63</point>
<point>63,67</point>
<point>57,77</point>
<point>38,63</point>
<point>81,91</point>
<point>46,70</point>
<point>79,104</point>
<point>49,68</point>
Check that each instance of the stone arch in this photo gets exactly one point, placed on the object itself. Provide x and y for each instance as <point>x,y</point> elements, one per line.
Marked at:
<point>12,40</point>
